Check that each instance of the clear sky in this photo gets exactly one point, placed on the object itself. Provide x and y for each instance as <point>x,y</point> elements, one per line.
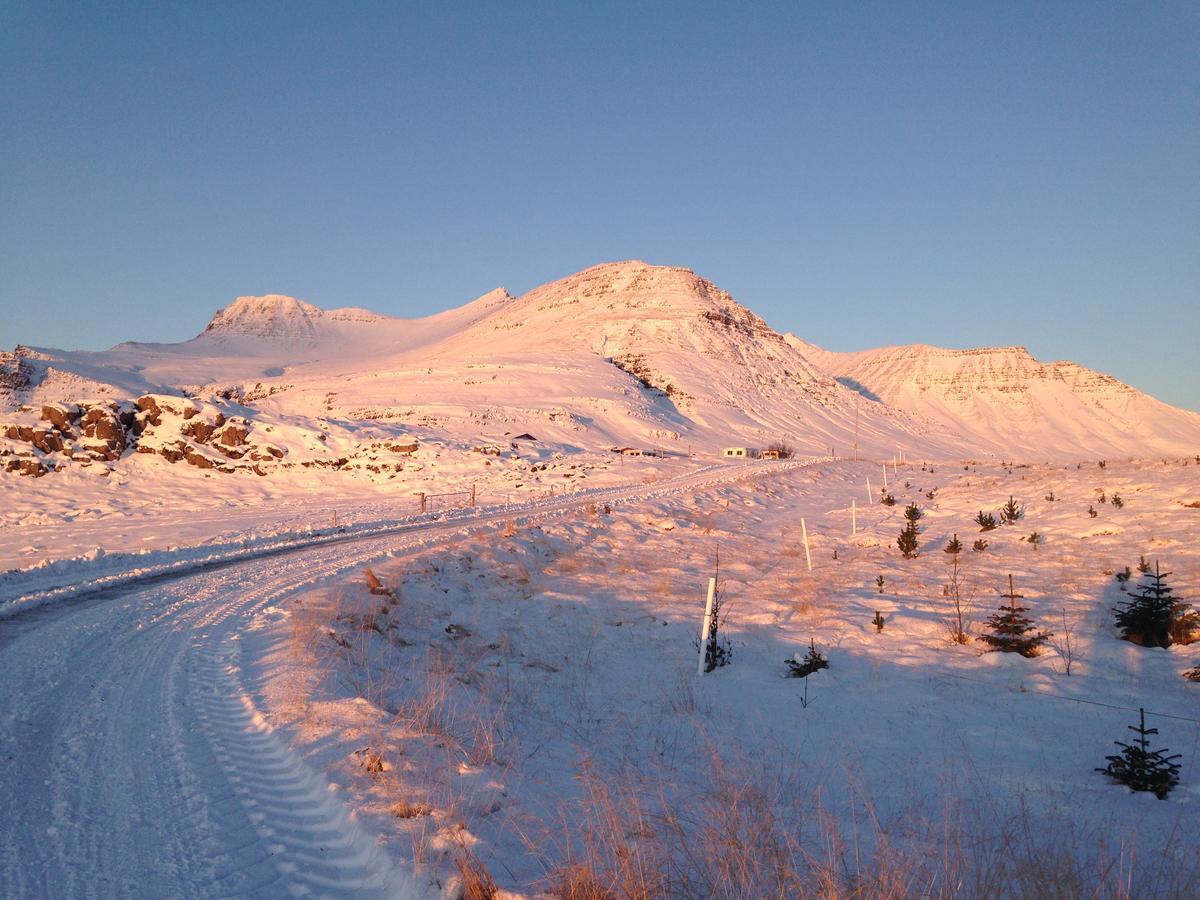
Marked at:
<point>959,174</point>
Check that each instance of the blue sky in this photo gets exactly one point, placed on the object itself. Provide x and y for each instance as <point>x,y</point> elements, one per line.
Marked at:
<point>860,174</point>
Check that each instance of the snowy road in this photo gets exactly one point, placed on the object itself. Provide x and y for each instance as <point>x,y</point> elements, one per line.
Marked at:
<point>138,761</point>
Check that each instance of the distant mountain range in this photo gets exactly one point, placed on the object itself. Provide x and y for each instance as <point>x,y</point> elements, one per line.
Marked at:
<point>618,354</point>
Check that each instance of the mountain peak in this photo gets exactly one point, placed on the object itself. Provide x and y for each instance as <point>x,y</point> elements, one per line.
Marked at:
<point>270,315</point>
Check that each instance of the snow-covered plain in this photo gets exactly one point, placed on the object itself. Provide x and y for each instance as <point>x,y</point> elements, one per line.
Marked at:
<point>529,697</point>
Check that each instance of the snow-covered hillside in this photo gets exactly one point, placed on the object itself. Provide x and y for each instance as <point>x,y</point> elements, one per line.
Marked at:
<point>1007,402</point>
<point>621,354</point>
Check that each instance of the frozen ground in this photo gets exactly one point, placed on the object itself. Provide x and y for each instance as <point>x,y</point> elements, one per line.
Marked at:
<point>144,755</point>
<point>527,703</point>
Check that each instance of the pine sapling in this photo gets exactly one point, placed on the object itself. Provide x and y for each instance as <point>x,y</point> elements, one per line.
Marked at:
<point>1010,512</point>
<point>814,660</point>
<point>1092,511</point>
<point>878,621</point>
<point>1141,769</point>
<point>907,542</point>
<point>879,583</point>
<point>1012,630</point>
<point>985,521</point>
<point>1117,501</point>
<point>980,545</point>
<point>1153,617</point>
<point>954,545</point>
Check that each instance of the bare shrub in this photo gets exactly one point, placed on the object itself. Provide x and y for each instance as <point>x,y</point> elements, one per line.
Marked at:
<point>957,622</point>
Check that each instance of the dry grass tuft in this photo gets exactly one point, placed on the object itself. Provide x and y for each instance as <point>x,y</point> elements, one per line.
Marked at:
<point>477,881</point>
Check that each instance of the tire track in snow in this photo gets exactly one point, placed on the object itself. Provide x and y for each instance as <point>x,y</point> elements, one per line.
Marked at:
<point>136,762</point>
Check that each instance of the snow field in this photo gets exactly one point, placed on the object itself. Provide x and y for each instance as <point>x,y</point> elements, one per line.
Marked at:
<point>527,700</point>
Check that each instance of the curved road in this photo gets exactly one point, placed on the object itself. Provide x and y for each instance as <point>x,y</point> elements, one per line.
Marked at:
<point>136,764</point>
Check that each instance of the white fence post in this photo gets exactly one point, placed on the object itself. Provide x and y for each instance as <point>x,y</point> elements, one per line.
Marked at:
<point>869,497</point>
<point>807,555</point>
<point>885,487</point>
<point>706,624</point>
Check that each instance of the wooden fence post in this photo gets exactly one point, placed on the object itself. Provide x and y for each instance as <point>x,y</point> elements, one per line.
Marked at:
<point>804,532</point>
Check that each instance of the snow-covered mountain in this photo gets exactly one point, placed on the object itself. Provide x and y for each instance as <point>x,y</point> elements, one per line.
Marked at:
<point>620,354</point>
<point>1008,402</point>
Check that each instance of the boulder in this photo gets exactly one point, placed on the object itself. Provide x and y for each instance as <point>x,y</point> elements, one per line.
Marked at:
<point>199,460</point>
<point>102,425</point>
<point>198,430</point>
<point>150,410</point>
<point>32,467</point>
<point>48,441</point>
<point>234,435</point>
<point>172,453</point>
<point>61,417</point>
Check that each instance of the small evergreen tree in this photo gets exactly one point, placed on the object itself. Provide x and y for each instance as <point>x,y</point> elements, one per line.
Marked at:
<point>913,513</point>
<point>980,545</point>
<point>879,583</point>
<point>907,542</point>
<point>1153,617</point>
<point>813,661</point>
<point>955,545</point>
<point>1012,630</point>
<point>1140,768</point>
<point>985,521</point>
<point>1117,501</point>
<point>1092,511</point>
<point>879,621</point>
<point>1010,512</point>
<point>887,499</point>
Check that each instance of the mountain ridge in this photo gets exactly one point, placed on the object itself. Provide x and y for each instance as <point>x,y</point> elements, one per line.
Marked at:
<point>620,353</point>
